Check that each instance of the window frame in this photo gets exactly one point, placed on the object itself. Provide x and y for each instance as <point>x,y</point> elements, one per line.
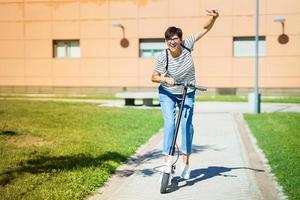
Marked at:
<point>67,48</point>
<point>154,51</point>
<point>262,46</point>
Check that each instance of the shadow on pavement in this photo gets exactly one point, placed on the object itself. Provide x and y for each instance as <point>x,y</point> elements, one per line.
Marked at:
<point>198,175</point>
<point>152,155</point>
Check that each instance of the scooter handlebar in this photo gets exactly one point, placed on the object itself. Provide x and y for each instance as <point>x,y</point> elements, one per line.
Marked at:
<point>200,88</point>
<point>190,85</point>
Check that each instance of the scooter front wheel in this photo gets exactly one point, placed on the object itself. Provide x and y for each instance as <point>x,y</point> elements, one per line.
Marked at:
<point>164,183</point>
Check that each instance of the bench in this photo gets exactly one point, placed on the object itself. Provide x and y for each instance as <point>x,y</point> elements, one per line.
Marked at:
<point>130,97</point>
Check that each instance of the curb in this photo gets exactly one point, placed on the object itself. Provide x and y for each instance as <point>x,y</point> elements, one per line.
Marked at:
<point>267,182</point>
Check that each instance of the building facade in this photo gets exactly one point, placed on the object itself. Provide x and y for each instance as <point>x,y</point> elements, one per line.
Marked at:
<point>73,46</point>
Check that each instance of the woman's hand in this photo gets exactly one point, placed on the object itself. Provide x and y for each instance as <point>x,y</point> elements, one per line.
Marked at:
<point>213,13</point>
<point>169,81</point>
<point>158,78</point>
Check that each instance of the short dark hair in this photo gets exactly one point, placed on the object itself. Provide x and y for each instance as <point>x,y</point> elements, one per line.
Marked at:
<point>171,31</point>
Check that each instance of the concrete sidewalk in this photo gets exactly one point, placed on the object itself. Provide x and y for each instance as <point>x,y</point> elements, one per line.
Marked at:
<point>225,165</point>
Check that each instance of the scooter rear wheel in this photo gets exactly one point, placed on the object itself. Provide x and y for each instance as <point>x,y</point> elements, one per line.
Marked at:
<point>164,183</point>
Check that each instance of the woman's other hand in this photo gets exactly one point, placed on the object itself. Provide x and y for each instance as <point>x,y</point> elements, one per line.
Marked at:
<point>213,13</point>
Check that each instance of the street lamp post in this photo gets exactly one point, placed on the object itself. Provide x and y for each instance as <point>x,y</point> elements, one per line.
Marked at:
<point>256,90</point>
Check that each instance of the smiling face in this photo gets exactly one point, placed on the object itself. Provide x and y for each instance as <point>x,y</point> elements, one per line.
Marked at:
<point>173,43</point>
<point>173,36</point>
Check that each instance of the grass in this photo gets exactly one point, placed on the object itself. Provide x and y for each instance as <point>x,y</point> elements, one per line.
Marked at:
<point>56,150</point>
<point>218,98</point>
<point>55,96</point>
<point>295,99</point>
<point>278,134</point>
<point>222,98</point>
<point>233,98</point>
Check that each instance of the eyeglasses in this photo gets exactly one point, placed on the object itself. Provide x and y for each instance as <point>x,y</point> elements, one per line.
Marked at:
<point>175,39</point>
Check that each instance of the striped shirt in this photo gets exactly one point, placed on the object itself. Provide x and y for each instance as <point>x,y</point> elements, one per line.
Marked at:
<point>181,68</point>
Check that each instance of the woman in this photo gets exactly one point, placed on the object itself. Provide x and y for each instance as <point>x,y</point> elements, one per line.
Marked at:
<point>176,65</point>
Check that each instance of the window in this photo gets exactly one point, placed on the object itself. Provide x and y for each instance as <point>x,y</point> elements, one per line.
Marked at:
<point>245,46</point>
<point>66,49</point>
<point>150,48</point>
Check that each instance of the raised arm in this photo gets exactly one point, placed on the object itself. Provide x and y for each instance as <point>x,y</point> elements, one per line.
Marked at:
<point>214,14</point>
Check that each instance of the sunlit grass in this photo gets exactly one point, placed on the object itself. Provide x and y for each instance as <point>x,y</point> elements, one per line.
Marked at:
<point>53,150</point>
<point>199,97</point>
<point>278,134</point>
<point>233,98</point>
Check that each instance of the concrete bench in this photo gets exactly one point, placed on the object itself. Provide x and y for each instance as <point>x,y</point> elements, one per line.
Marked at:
<point>130,97</point>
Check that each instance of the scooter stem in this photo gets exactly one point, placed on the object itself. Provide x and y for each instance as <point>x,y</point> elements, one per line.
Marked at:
<point>172,149</point>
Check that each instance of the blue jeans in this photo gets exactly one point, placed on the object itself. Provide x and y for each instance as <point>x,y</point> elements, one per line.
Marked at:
<point>168,102</point>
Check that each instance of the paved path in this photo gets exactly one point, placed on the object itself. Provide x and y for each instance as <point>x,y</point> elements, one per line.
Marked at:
<point>220,164</point>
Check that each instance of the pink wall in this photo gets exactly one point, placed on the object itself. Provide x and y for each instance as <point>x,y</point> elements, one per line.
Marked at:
<point>28,27</point>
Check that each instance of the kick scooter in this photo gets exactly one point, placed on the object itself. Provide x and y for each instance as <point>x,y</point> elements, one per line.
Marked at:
<point>169,168</point>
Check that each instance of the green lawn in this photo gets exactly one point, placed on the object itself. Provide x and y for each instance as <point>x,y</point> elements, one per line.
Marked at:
<point>53,150</point>
<point>233,98</point>
<point>57,96</point>
<point>278,134</point>
<point>222,98</point>
<point>199,97</point>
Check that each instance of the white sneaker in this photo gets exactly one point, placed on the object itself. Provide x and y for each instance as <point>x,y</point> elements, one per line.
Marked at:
<point>161,170</point>
<point>160,177</point>
<point>185,171</point>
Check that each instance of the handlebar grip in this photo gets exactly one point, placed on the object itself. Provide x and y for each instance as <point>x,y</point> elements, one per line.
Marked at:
<point>200,88</point>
